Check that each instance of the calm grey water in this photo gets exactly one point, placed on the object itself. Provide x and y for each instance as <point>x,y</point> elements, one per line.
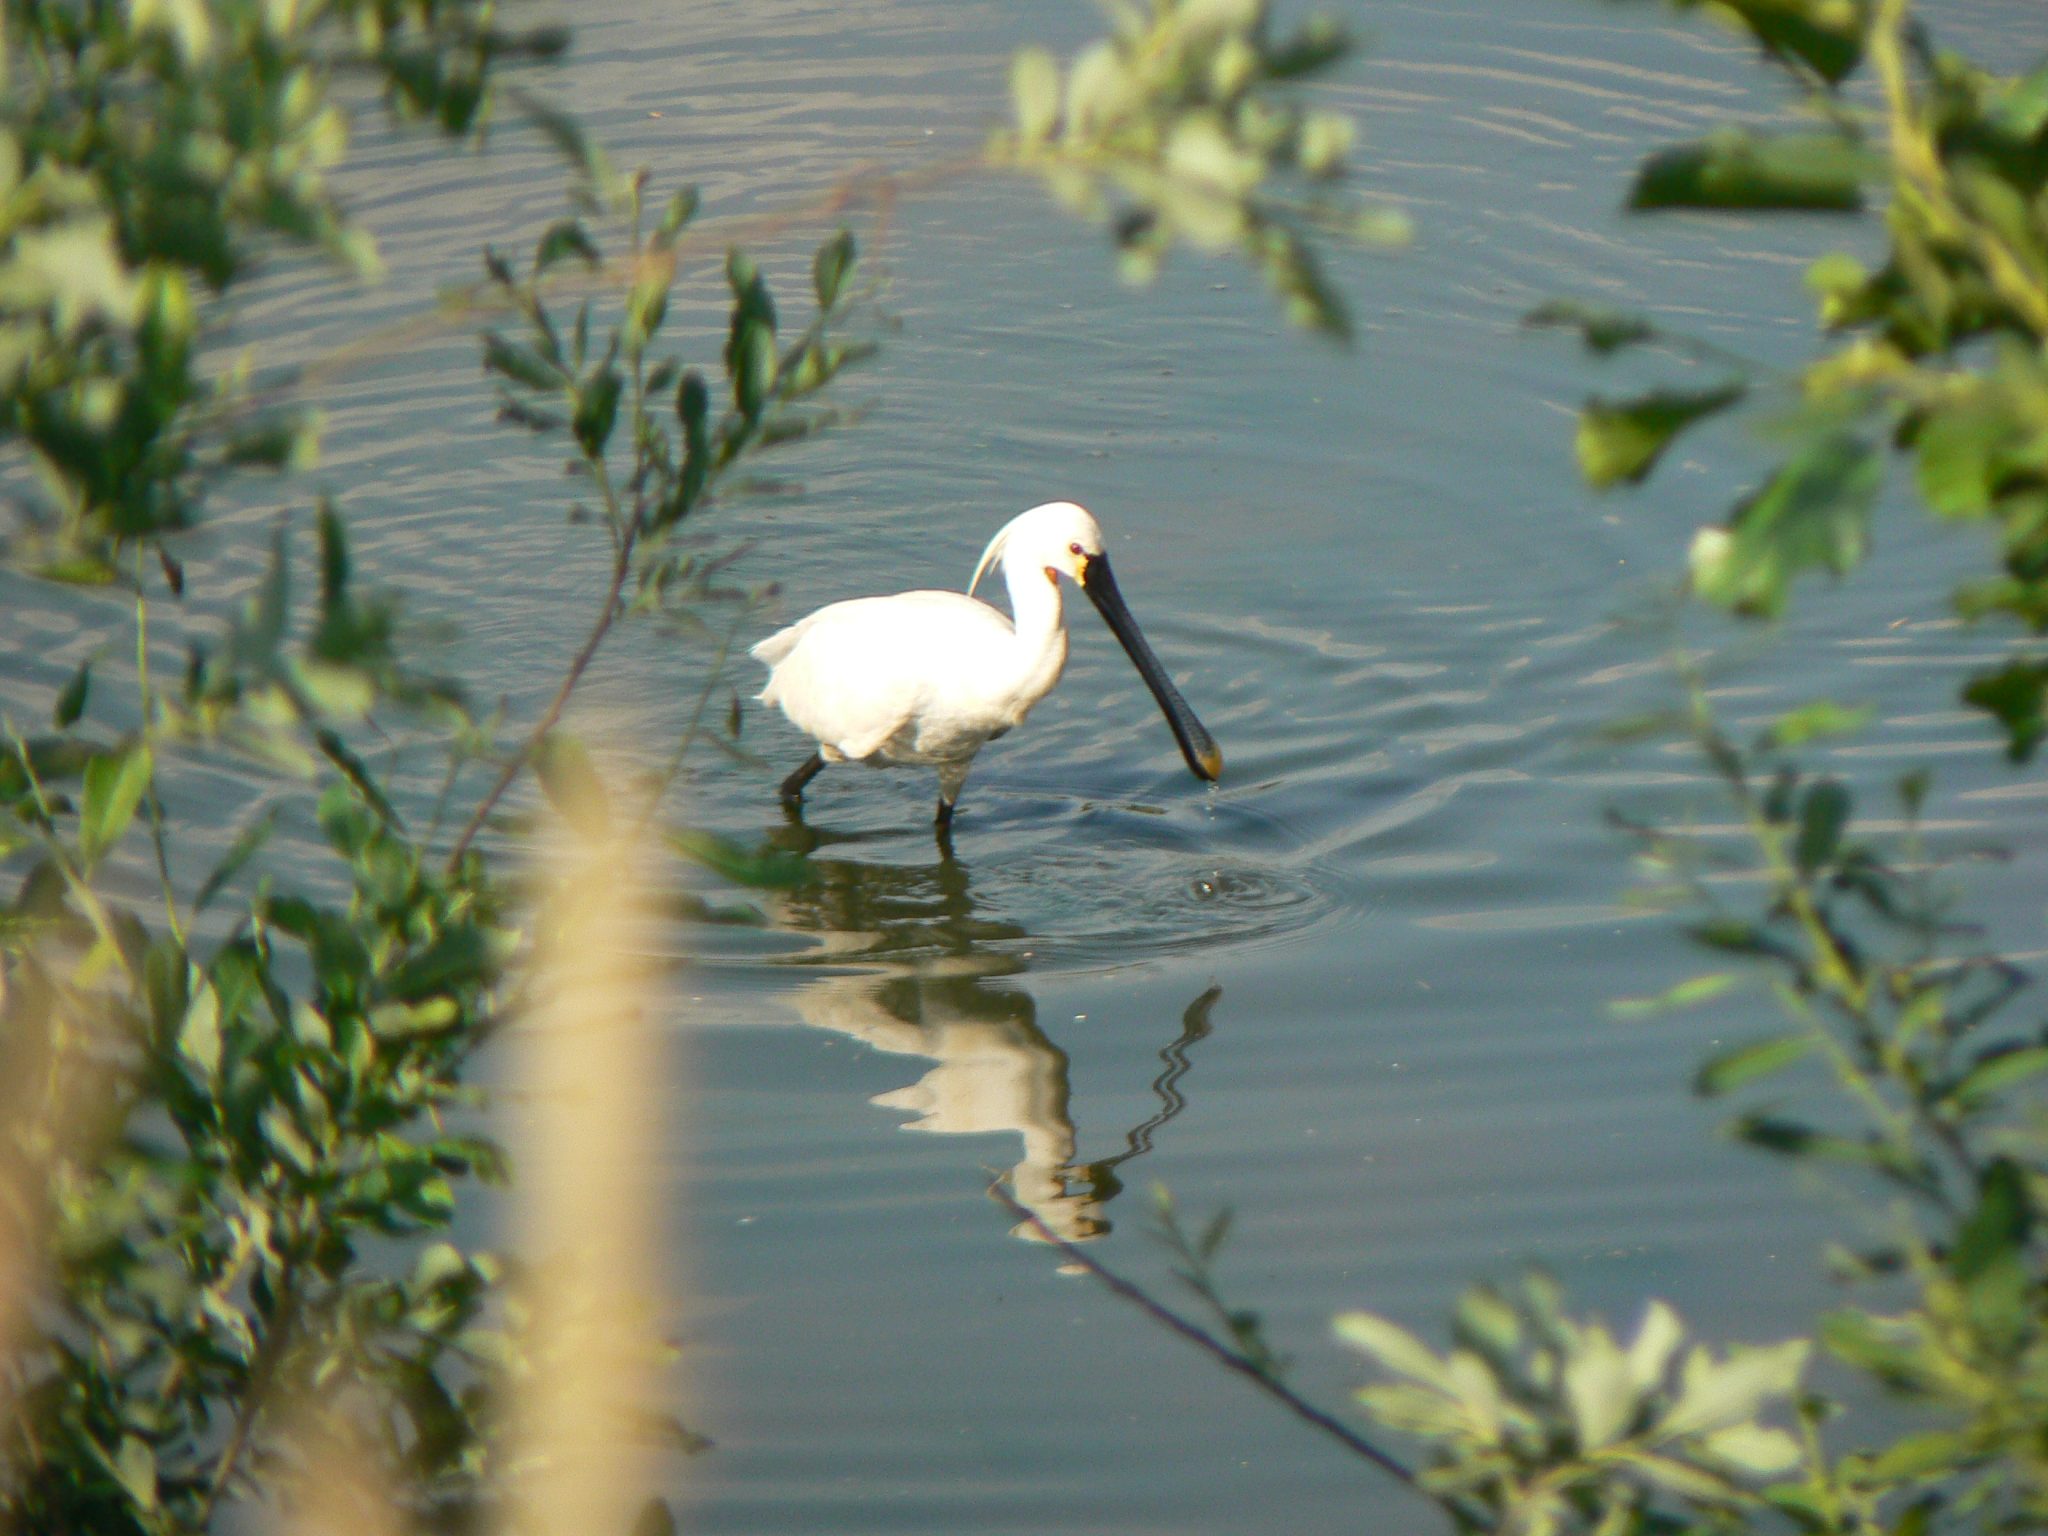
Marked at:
<point>1356,993</point>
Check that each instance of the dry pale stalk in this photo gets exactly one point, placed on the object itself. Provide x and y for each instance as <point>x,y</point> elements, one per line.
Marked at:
<point>585,1155</point>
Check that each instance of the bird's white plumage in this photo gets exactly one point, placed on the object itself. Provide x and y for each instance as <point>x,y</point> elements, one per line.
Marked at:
<point>930,677</point>
<point>920,677</point>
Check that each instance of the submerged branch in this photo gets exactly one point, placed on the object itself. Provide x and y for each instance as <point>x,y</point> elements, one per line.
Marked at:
<point>1217,1350</point>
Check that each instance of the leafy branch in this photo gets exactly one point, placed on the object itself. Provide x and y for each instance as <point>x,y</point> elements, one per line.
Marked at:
<point>1937,353</point>
<point>551,384</point>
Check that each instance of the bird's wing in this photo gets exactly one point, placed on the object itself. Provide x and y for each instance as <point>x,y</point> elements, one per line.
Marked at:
<point>854,674</point>
<point>778,645</point>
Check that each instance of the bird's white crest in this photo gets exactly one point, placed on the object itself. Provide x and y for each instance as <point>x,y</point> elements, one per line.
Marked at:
<point>1045,533</point>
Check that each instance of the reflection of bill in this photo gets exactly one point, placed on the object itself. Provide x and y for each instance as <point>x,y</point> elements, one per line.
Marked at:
<point>938,981</point>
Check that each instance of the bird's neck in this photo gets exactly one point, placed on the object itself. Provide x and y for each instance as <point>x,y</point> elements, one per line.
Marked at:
<point>1034,604</point>
<point>1039,650</point>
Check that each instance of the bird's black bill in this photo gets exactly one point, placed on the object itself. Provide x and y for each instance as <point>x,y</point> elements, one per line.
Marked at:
<point>1196,744</point>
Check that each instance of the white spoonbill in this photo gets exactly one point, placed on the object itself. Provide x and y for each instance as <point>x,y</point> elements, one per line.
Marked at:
<point>926,678</point>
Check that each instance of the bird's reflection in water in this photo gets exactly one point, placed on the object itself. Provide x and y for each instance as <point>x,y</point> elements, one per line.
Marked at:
<point>936,978</point>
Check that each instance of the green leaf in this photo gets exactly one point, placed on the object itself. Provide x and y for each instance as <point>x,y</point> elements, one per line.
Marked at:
<point>1842,285</point>
<point>261,629</point>
<point>134,1467</point>
<point>310,1027</point>
<point>1415,1410</point>
<point>647,306</point>
<point>567,237</point>
<point>693,410</point>
<point>1715,1394</point>
<point>1312,303</point>
<point>1886,1347</point>
<point>1932,1453</point>
<point>199,1034</point>
<point>597,411</point>
<point>357,772</point>
<point>1394,1347</point>
<point>76,269</point>
<point>830,268</point>
<point>393,1021</point>
<point>768,868</point>
<point>1746,1063</point>
<point>1656,1341</point>
<point>1815,172</point>
<point>1961,454</point>
<point>1733,935</point>
<point>2022,112</point>
<point>1318,43</point>
<point>569,139</point>
<point>521,364</point>
<point>85,570</point>
<point>1828,38</point>
<point>337,692</point>
<point>334,562</point>
<point>1823,813</point>
<point>1682,1478</point>
<point>461,957</point>
<point>1997,1071</point>
<point>676,217</point>
<point>753,364</point>
<point>1788,1138</point>
<point>2013,696</point>
<point>1326,138</point>
<point>287,1141</point>
<point>570,781</point>
<point>1101,90</point>
<point>1990,1258</point>
<point>1600,1389</point>
<point>1814,511</point>
<point>244,848</point>
<point>71,701</point>
<point>523,415</point>
<point>114,786</point>
<point>1695,989</point>
<point>1602,330</point>
<point>1484,1321</point>
<point>1035,94</point>
<point>1995,1233</point>
<point>1754,1449</point>
<point>753,308</point>
<point>1201,149</point>
<point>1812,721</point>
<point>693,406</point>
<point>1623,439</point>
<point>279,444</point>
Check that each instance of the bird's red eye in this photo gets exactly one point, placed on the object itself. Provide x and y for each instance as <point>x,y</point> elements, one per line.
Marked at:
<point>1075,549</point>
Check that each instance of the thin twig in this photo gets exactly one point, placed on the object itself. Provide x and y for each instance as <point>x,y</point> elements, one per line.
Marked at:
<point>153,805</point>
<point>713,675</point>
<point>460,310</point>
<point>622,566</point>
<point>261,1370</point>
<point>1222,1353</point>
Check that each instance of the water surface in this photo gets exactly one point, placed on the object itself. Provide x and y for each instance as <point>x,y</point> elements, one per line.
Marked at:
<point>1357,993</point>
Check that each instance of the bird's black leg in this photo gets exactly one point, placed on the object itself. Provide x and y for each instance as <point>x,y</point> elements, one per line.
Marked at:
<point>944,820</point>
<point>793,786</point>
